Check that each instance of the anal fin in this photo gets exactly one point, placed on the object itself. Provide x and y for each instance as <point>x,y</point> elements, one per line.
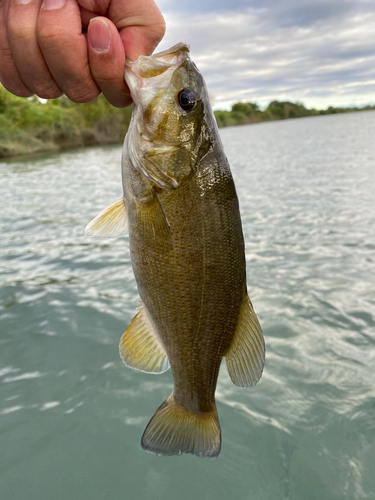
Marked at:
<point>245,356</point>
<point>141,347</point>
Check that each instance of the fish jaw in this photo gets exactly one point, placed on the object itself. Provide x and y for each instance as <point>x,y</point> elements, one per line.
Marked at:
<point>165,142</point>
<point>150,73</point>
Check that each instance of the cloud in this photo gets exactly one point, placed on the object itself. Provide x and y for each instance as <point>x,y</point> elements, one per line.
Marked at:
<point>314,52</point>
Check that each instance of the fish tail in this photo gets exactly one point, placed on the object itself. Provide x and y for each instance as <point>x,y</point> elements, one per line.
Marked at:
<point>174,429</point>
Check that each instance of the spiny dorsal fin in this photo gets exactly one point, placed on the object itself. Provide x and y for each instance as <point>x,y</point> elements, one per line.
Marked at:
<point>245,356</point>
<point>112,222</point>
<point>141,347</point>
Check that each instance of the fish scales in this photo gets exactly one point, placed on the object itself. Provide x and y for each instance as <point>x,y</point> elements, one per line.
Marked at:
<point>193,287</point>
<point>187,250</point>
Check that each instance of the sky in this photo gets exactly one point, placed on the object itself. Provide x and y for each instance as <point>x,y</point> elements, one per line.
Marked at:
<point>316,52</point>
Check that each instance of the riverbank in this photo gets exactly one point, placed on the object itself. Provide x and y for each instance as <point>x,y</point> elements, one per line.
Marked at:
<point>30,126</point>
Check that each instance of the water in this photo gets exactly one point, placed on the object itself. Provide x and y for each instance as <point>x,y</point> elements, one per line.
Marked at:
<point>72,415</point>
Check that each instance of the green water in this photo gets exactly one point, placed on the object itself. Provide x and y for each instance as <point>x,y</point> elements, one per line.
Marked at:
<point>72,415</point>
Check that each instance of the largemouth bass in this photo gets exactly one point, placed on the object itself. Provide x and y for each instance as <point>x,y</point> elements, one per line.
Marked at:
<point>187,249</point>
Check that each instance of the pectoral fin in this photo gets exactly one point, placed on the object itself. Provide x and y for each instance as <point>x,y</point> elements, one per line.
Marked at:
<point>141,347</point>
<point>112,222</point>
<point>245,356</point>
<point>153,223</point>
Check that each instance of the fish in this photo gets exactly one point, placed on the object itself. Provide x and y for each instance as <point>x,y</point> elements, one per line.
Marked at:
<point>187,249</point>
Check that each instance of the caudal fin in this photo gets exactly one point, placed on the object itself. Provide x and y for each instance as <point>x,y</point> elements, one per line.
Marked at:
<point>174,430</point>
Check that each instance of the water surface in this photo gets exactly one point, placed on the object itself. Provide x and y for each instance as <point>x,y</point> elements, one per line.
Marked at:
<point>72,415</point>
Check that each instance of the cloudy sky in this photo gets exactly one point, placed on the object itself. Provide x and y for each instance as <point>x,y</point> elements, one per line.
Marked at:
<point>318,52</point>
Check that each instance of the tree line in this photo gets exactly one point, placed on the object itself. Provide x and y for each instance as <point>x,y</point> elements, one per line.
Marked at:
<point>243,113</point>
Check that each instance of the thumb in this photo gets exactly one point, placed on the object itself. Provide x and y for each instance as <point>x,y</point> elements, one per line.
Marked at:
<point>140,23</point>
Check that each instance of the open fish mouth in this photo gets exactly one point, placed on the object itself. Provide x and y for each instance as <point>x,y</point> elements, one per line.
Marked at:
<point>155,70</point>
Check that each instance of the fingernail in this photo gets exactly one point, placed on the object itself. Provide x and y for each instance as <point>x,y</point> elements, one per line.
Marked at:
<point>22,2</point>
<point>99,35</point>
<point>53,4</point>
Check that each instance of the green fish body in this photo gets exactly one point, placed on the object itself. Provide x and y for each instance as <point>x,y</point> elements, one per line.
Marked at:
<point>187,250</point>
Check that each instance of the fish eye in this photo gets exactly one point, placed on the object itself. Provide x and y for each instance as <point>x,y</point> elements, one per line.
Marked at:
<point>187,99</point>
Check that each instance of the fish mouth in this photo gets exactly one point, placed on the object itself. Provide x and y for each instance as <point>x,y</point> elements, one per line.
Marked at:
<point>155,70</point>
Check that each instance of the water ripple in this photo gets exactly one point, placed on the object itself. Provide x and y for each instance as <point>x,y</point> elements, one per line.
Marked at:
<point>69,404</point>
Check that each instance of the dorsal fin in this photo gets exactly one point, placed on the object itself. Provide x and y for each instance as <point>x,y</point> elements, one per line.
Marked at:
<point>112,222</point>
<point>141,347</point>
<point>245,356</point>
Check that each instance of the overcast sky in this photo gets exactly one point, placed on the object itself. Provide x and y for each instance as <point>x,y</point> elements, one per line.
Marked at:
<point>318,52</point>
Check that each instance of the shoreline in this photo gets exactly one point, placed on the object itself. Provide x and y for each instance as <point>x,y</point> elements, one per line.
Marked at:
<point>29,126</point>
<point>27,146</point>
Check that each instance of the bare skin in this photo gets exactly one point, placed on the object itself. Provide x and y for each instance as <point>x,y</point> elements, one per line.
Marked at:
<point>75,47</point>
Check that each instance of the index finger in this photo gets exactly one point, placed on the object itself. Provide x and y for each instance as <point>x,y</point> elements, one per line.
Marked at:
<point>141,26</point>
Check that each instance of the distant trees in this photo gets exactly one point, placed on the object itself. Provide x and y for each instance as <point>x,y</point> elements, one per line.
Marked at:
<point>285,109</point>
<point>242,113</point>
<point>30,125</point>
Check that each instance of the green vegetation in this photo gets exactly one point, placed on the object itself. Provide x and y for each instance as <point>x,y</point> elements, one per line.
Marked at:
<point>248,112</point>
<point>30,126</point>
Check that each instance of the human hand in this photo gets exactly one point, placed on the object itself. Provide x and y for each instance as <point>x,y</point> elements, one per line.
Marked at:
<point>46,50</point>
